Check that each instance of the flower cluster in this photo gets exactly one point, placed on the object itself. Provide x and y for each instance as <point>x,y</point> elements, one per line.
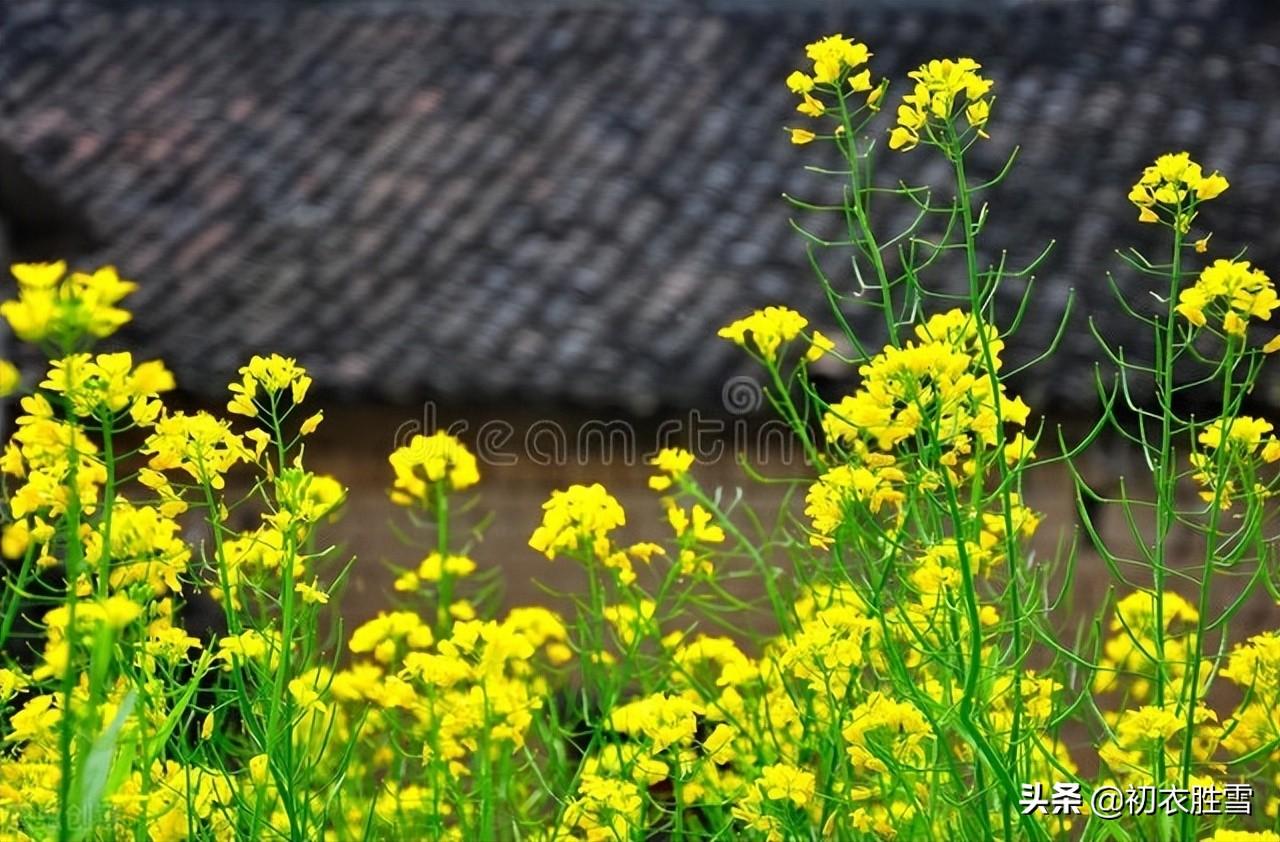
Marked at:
<point>1229,463</point>
<point>766,331</point>
<point>925,414</point>
<point>838,63</point>
<point>266,379</point>
<point>430,464</point>
<point>66,309</point>
<point>1149,632</point>
<point>110,384</point>
<point>944,89</point>
<point>1233,292</point>
<point>581,516</point>
<point>1171,189</point>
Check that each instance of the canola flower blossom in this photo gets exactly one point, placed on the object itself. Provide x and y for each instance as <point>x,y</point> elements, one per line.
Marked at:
<point>428,460</point>
<point>272,376</point>
<point>944,89</point>
<point>577,517</point>
<point>1233,291</point>
<point>1171,189</point>
<point>837,73</point>
<point>54,305</point>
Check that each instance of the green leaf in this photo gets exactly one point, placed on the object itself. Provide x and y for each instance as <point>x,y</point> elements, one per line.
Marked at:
<point>98,768</point>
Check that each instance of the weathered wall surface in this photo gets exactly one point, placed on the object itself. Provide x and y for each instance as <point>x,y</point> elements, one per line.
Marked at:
<point>353,444</point>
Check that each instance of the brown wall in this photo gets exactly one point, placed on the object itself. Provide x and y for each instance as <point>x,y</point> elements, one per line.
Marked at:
<point>354,442</point>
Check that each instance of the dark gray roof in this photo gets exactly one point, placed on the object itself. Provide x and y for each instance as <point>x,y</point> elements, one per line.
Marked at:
<point>564,204</point>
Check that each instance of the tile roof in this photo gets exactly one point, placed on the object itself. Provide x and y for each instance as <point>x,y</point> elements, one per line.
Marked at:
<point>563,205</point>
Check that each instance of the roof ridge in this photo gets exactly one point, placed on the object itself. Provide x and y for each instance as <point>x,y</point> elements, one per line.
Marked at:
<point>508,8</point>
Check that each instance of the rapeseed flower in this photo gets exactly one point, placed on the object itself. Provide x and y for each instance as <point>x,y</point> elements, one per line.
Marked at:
<point>1171,189</point>
<point>200,445</point>
<point>1231,290</point>
<point>577,517</point>
<point>1231,455</point>
<point>10,378</point>
<point>944,89</point>
<point>765,330</point>
<point>428,460</point>
<point>266,379</point>
<point>837,63</point>
<point>784,782</point>
<point>672,464</point>
<point>65,308</point>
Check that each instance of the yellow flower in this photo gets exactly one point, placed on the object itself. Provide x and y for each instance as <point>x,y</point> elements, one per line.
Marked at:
<point>833,57</point>
<point>663,719</point>
<point>51,304</point>
<point>10,378</point>
<point>35,721</point>
<point>768,329</point>
<point>427,460</point>
<point>273,375</point>
<point>943,88</point>
<point>110,383</point>
<point>673,463</point>
<point>305,694</point>
<point>901,724</point>
<point>829,499</point>
<point>811,107</point>
<point>1244,432</point>
<point>1191,304</point>
<point>818,347</point>
<point>977,113</point>
<point>389,635</point>
<point>606,809</point>
<point>249,645</point>
<point>1233,288</point>
<point>1140,733</point>
<point>15,539</point>
<point>1128,654</point>
<point>903,138</point>
<point>801,136</point>
<point>39,275</point>
<point>309,426</point>
<point>1211,187</point>
<point>631,623</point>
<point>1019,449</point>
<point>800,83</point>
<point>1170,189</point>
<point>719,744</point>
<point>784,782</point>
<point>200,444</point>
<point>578,516</point>
<point>434,566</point>
<point>10,683</point>
<point>694,524</point>
<point>1271,450</point>
<point>311,594</point>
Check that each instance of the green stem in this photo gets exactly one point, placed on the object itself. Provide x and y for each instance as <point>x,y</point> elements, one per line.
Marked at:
<point>1192,687</point>
<point>859,215</point>
<point>1011,548</point>
<point>444,594</point>
<point>1166,476</point>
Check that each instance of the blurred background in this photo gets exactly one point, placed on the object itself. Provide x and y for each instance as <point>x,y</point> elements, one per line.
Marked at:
<point>532,217</point>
